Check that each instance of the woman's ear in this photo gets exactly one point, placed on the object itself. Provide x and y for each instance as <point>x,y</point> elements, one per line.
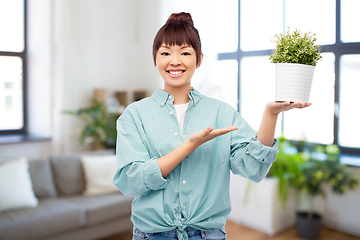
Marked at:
<point>202,56</point>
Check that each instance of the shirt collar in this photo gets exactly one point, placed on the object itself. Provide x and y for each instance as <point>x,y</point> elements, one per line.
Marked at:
<point>162,97</point>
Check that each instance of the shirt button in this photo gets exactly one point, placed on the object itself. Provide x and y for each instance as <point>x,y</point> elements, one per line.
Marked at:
<point>186,133</point>
<point>162,103</point>
<point>170,97</point>
<point>184,207</point>
<point>184,182</point>
<point>175,134</point>
<point>171,112</point>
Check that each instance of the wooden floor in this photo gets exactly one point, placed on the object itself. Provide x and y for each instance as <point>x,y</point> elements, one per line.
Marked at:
<point>238,232</point>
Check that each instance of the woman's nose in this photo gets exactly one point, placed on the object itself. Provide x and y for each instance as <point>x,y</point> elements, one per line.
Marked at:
<point>175,61</point>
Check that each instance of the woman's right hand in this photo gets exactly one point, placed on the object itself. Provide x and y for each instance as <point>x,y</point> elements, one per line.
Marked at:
<point>168,162</point>
<point>207,134</point>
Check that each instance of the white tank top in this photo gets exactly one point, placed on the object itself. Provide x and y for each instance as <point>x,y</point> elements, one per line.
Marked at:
<point>180,114</point>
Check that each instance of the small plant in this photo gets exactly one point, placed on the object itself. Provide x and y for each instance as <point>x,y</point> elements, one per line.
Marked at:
<point>100,124</point>
<point>296,48</point>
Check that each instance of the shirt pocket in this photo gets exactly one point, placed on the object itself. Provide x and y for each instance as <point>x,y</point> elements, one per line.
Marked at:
<point>216,151</point>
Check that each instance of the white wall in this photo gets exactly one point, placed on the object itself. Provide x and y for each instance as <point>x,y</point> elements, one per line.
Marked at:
<point>75,46</point>
<point>99,44</point>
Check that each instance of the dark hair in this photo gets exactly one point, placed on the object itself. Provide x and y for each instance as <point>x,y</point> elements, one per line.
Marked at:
<point>178,30</point>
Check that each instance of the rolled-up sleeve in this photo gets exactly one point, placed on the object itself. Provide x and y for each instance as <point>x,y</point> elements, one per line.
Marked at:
<point>138,173</point>
<point>249,157</point>
<point>153,179</point>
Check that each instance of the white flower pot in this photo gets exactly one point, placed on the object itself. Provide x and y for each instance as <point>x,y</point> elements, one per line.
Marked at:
<point>293,82</point>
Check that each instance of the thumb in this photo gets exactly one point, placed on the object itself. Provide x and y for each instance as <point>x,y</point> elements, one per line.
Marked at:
<point>209,130</point>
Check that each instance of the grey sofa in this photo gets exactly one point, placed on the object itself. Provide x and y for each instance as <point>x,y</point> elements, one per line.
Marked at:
<point>63,212</point>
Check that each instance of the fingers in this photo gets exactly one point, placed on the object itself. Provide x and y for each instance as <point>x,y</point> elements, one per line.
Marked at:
<point>222,131</point>
<point>209,133</point>
<point>290,105</point>
<point>299,105</point>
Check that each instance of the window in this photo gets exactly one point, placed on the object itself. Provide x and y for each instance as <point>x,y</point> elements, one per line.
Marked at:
<point>333,118</point>
<point>12,66</point>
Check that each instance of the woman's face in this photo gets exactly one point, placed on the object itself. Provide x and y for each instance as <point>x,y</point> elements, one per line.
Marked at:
<point>176,64</point>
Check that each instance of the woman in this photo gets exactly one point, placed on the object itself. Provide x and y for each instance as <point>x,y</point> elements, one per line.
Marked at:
<point>175,149</point>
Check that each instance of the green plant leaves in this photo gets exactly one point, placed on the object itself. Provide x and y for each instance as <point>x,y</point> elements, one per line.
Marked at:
<point>302,170</point>
<point>296,48</point>
<point>100,124</point>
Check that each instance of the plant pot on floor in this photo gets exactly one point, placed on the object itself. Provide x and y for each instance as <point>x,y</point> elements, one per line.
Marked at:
<point>308,228</point>
<point>293,82</point>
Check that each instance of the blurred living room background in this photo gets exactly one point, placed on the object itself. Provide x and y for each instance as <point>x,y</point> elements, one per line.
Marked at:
<point>58,55</point>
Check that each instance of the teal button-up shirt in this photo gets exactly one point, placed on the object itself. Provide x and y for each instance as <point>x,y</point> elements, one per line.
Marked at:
<point>196,192</point>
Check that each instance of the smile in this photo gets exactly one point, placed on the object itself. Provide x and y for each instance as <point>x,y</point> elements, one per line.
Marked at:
<point>175,73</point>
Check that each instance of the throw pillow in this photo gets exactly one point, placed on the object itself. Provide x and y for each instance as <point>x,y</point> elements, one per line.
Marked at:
<point>15,185</point>
<point>68,175</point>
<point>42,178</point>
<point>99,173</point>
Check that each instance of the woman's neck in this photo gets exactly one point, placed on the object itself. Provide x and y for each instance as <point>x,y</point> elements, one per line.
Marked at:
<point>181,94</point>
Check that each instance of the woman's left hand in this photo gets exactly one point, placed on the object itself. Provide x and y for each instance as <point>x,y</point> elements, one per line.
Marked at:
<point>278,107</point>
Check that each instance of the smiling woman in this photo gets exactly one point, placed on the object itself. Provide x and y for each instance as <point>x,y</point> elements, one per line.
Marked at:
<point>177,147</point>
<point>176,65</point>
<point>177,54</point>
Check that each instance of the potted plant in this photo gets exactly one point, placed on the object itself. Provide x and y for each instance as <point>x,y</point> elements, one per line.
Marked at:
<point>295,57</point>
<point>100,125</point>
<point>314,175</point>
<point>308,168</point>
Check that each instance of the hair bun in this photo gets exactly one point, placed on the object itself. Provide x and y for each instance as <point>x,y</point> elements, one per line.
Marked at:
<point>182,16</point>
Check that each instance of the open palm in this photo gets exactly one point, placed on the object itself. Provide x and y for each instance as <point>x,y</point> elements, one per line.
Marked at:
<point>278,107</point>
<point>209,133</point>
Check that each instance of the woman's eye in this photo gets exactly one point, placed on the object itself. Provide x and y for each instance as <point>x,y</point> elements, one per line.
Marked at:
<point>186,53</point>
<point>165,54</point>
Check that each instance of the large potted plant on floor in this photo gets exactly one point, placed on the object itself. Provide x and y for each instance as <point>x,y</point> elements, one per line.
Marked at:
<point>313,175</point>
<point>309,169</point>
<point>295,57</point>
<point>100,125</point>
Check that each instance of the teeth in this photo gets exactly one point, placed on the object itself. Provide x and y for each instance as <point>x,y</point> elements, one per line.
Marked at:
<point>175,72</point>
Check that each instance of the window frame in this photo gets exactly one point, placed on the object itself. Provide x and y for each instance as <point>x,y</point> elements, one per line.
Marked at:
<point>339,49</point>
<point>23,56</point>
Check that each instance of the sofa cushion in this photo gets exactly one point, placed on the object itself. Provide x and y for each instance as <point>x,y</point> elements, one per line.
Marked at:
<point>68,174</point>
<point>50,217</point>
<point>15,185</point>
<point>102,208</point>
<point>42,178</point>
<point>99,172</point>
